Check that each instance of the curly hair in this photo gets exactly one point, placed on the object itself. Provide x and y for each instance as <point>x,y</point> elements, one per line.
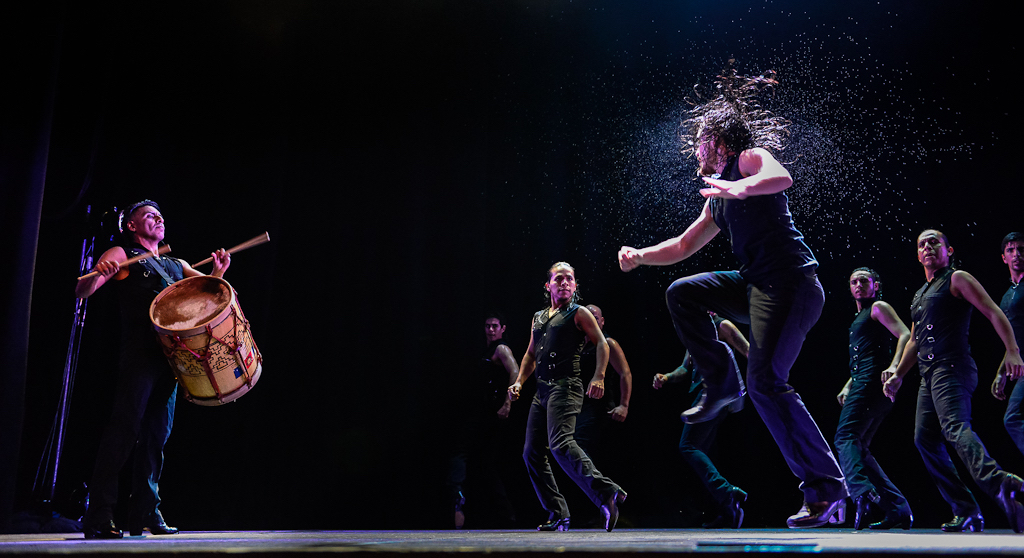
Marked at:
<point>551,271</point>
<point>874,277</point>
<point>735,115</point>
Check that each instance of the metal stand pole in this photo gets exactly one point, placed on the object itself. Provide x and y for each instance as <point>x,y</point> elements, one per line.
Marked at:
<point>46,474</point>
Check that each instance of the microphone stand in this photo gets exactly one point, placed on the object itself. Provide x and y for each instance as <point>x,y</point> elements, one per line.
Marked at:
<point>49,464</point>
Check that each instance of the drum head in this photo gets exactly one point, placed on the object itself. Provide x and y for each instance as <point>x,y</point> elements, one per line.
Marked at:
<point>190,303</point>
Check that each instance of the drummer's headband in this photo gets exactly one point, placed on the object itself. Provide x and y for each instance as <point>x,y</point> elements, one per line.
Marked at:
<point>126,215</point>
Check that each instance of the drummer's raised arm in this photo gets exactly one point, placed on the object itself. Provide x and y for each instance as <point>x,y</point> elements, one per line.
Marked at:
<point>221,262</point>
<point>107,266</point>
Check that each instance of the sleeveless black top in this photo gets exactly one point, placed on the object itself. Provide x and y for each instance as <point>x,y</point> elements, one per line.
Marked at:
<point>870,346</point>
<point>941,323</point>
<point>137,291</point>
<point>490,383</point>
<point>557,344</point>
<point>761,233</point>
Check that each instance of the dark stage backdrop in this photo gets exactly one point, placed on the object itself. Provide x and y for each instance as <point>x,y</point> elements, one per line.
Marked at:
<point>417,163</point>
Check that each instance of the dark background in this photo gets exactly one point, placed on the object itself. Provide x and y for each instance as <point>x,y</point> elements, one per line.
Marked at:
<point>417,163</point>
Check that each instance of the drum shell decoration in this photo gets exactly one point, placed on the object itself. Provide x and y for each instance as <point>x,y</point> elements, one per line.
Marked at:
<point>206,339</point>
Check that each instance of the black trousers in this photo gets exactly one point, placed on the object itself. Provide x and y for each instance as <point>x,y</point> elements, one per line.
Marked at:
<point>1014,417</point>
<point>592,426</point>
<point>142,417</point>
<point>780,314</point>
<point>551,424</point>
<point>944,416</point>
<point>863,412</point>
<point>694,445</point>
<point>475,459</point>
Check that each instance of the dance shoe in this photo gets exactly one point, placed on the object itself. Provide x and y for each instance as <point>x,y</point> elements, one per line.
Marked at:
<point>154,523</point>
<point>865,509</point>
<point>709,406</point>
<point>610,509</point>
<point>893,519</point>
<point>460,516</point>
<point>102,530</point>
<point>730,515</point>
<point>817,514</point>
<point>737,405</point>
<point>557,524</point>
<point>960,523</point>
<point>1007,497</point>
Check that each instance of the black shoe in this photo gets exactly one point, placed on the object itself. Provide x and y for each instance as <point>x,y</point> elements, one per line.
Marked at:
<point>730,515</point>
<point>155,524</point>
<point>102,530</point>
<point>960,523</point>
<point>610,509</point>
<point>865,509</point>
<point>893,519</point>
<point>710,405</point>
<point>460,516</point>
<point>559,524</point>
<point>818,514</point>
<point>737,405</point>
<point>862,508</point>
<point>1007,497</point>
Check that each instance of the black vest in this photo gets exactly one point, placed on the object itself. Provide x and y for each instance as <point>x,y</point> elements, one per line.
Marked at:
<point>941,323</point>
<point>557,344</point>
<point>870,346</point>
<point>137,291</point>
<point>489,385</point>
<point>761,233</point>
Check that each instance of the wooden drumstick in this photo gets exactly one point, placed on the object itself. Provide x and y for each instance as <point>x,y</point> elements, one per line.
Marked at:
<point>265,237</point>
<point>158,252</point>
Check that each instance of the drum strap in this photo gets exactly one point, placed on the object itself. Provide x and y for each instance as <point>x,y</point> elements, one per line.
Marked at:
<point>157,267</point>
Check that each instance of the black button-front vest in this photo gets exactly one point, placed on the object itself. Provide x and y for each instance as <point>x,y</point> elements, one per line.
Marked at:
<point>870,346</point>
<point>557,344</point>
<point>941,323</point>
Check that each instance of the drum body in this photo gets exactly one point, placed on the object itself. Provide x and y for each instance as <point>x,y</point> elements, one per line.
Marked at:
<point>207,339</point>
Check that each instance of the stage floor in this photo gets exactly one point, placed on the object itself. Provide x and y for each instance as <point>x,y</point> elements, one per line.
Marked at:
<point>578,542</point>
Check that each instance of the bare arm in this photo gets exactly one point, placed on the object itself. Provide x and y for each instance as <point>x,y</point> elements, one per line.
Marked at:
<point>586,322</point>
<point>762,175</point>
<point>108,266</point>
<point>526,368</point>
<point>503,355</point>
<point>998,388</point>
<point>617,358</point>
<point>673,250</point>
<point>965,286</point>
<point>677,375</point>
<point>892,385</point>
<point>884,314</point>
<point>845,391</point>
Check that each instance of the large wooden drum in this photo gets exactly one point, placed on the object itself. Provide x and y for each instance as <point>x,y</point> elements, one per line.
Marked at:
<point>207,339</point>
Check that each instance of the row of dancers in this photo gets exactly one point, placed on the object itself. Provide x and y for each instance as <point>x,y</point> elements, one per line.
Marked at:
<point>777,293</point>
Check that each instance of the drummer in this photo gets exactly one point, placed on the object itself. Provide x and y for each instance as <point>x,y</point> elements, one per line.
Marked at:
<point>144,403</point>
